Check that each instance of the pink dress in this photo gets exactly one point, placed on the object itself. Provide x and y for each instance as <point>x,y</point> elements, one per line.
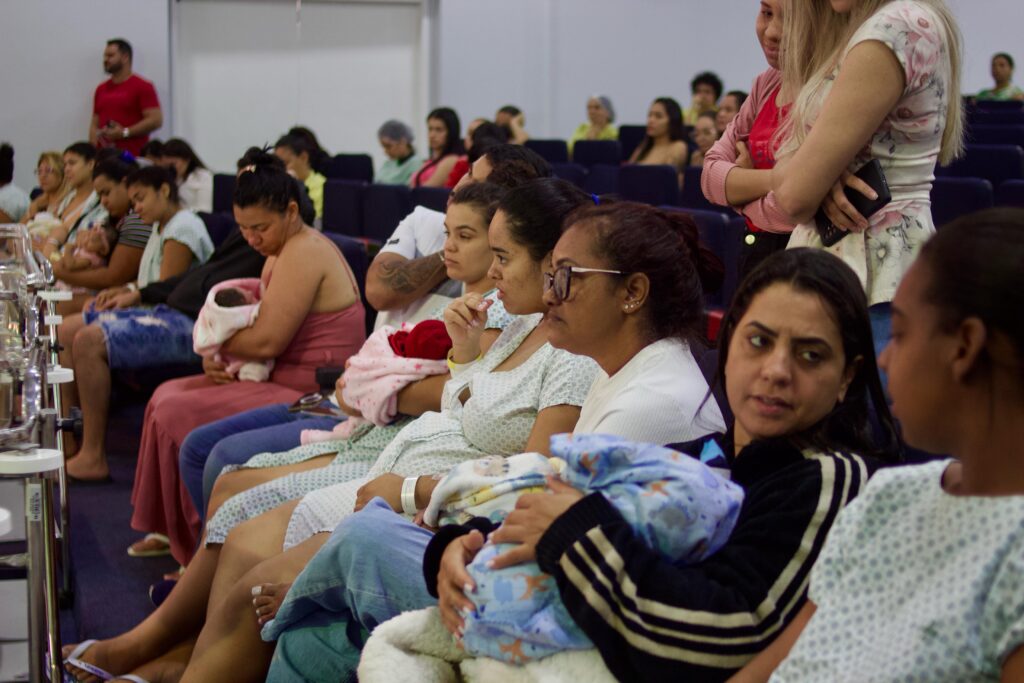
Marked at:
<point>178,406</point>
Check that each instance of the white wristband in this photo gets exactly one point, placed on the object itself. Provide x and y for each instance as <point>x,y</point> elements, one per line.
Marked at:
<point>409,495</point>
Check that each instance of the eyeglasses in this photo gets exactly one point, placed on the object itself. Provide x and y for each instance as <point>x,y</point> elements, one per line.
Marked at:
<point>43,170</point>
<point>559,281</point>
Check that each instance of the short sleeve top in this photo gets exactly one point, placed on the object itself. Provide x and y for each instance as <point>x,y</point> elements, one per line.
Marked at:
<point>907,145</point>
<point>185,227</point>
<point>132,232</point>
<point>915,584</point>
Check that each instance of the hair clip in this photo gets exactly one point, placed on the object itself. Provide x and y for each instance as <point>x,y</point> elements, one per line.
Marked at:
<point>127,157</point>
<point>251,168</point>
<point>597,200</point>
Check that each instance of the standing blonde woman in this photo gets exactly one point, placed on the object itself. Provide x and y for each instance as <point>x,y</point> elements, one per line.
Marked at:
<point>868,79</point>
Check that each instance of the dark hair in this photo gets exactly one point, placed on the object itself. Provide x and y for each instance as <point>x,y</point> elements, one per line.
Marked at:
<point>153,148</point>
<point>676,129</point>
<point>295,144</point>
<point>116,168</point>
<point>536,211</point>
<point>6,163</point>
<point>179,149</point>
<point>483,196</point>
<point>740,95</point>
<point>318,156</point>
<point>511,110</point>
<point>82,149</point>
<point>155,177</point>
<point>513,165</point>
<point>707,115</point>
<point>708,78</point>
<point>447,116</point>
<point>485,136</point>
<point>665,246</point>
<point>122,45</point>
<point>814,271</point>
<point>974,271</point>
<point>263,181</point>
<point>1005,56</point>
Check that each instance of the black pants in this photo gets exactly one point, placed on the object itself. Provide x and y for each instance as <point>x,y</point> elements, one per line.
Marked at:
<point>756,247</point>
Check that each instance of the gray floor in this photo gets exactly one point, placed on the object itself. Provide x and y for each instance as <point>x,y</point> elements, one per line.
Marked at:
<point>13,595</point>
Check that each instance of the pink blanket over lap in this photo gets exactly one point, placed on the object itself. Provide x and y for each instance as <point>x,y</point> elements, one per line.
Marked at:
<point>373,379</point>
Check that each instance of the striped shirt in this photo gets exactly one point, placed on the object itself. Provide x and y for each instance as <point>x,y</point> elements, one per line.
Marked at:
<point>132,232</point>
<point>653,620</point>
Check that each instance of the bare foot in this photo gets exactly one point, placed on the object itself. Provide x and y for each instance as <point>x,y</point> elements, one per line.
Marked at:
<point>108,655</point>
<point>267,599</point>
<point>168,667</point>
<point>88,468</point>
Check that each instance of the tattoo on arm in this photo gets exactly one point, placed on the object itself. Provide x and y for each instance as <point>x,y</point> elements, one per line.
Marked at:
<point>407,277</point>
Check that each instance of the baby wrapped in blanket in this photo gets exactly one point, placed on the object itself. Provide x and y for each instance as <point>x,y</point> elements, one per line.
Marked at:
<point>230,306</point>
<point>389,361</point>
<point>674,503</point>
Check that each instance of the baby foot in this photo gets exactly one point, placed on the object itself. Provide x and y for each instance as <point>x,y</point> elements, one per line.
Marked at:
<point>267,599</point>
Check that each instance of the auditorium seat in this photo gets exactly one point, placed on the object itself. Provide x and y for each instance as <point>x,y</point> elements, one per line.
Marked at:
<point>692,197</point>
<point>649,184</point>
<point>553,151</point>
<point>343,207</point>
<point>995,163</point>
<point>574,173</point>
<point>218,224</point>
<point>223,192</point>
<point>590,152</point>
<point>1011,193</point>
<point>723,236</point>
<point>384,206</point>
<point>435,198</point>
<point>997,117</point>
<point>996,135</point>
<point>955,197</point>
<point>602,179</point>
<point>998,105</point>
<point>630,138</point>
<point>350,167</point>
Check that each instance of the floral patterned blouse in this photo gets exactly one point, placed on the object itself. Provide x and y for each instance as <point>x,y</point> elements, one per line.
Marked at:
<point>906,144</point>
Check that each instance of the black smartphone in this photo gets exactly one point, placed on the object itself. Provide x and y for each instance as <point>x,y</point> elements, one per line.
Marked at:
<point>871,173</point>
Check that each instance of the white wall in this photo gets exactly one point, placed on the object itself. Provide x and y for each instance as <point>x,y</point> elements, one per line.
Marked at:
<point>245,72</point>
<point>52,56</point>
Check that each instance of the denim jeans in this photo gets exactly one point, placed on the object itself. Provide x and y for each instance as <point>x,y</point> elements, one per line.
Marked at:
<point>232,441</point>
<point>370,570</point>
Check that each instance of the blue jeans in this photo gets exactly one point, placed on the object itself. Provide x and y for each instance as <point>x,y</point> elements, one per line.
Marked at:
<point>232,441</point>
<point>370,570</point>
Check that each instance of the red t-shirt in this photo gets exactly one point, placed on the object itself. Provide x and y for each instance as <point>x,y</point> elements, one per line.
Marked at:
<point>762,151</point>
<point>124,103</point>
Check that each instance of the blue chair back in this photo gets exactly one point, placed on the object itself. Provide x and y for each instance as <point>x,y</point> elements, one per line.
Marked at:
<point>995,163</point>
<point>350,167</point>
<point>602,179</point>
<point>997,117</point>
<point>223,192</point>
<point>435,198</point>
<point>997,105</point>
<point>343,207</point>
<point>996,135</point>
<point>955,197</point>
<point>630,138</point>
<point>553,151</point>
<point>649,184</point>
<point>692,197</point>
<point>590,152</point>
<point>574,173</point>
<point>219,225</point>
<point>1010,193</point>
<point>384,206</point>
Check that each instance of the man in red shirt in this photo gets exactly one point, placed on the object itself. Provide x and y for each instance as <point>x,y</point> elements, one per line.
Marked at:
<point>125,108</point>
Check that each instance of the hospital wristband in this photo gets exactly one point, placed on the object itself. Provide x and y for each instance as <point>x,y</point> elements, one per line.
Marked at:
<point>453,366</point>
<point>409,495</point>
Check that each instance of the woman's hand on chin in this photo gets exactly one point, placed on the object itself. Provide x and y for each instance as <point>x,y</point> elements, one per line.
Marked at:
<point>465,320</point>
<point>534,515</point>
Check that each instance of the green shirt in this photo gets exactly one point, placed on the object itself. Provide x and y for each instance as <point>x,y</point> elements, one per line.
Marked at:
<point>315,187</point>
<point>394,172</point>
<point>609,132</point>
<point>1010,92</point>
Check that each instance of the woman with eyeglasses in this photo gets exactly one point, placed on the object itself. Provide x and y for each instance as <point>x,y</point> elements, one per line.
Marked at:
<point>625,288</point>
<point>50,176</point>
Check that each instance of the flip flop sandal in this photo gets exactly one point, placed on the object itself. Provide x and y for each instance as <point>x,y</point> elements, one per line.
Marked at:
<point>165,549</point>
<point>73,660</point>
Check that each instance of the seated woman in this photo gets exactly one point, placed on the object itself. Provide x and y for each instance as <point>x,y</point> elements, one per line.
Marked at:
<point>1002,74</point>
<point>444,141</point>
<point>705,135</point>
<point>50,176</point>
<point>948,604</point>
<point>519,393</point>
<point>665,142</point>
<point>14,201</point>
<point>797,363</point>
<point>195,182</point>
<point>396,140</point>
<point>619,293</point>
<point>110,181</point>
<point>297,156</point>
<point>80,205</point>
<point>737,169</point>
<point>111,334</point>
<point>728,108</point>
<point>311,315</point>
<point>600,120</point>
<point>234,440</point>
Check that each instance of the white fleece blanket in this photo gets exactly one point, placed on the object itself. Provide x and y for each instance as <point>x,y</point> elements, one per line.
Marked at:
<point>414,646</point>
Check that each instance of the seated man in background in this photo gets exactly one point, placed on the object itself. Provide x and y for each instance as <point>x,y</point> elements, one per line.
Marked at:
<point>407,279</point>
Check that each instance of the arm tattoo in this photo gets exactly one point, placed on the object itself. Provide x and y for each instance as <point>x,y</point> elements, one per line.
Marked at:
<point>407,277</point>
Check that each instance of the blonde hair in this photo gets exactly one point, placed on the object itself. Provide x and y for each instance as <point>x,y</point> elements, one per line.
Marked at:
<point>813,41</point>
<point>56,162</point>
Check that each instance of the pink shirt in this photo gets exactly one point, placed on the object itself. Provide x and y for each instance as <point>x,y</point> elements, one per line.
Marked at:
<point>721,159</point>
